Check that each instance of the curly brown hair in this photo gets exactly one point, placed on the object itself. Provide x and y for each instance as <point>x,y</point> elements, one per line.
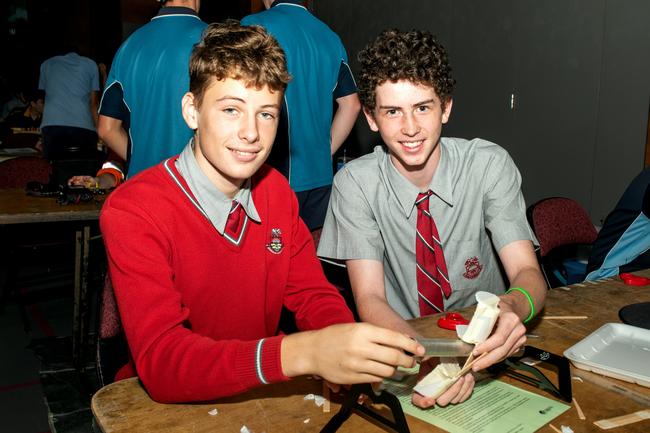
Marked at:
<point>395,55</point>
<point>230,50</point>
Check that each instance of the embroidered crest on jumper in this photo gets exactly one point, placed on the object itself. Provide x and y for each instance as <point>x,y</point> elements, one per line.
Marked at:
<point>472,268</point>
<point>275,245</point>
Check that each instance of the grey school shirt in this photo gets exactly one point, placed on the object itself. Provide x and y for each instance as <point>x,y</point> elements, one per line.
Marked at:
<point>477,203</point>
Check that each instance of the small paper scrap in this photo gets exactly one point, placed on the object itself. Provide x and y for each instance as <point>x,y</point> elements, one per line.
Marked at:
<point>213,412</point>
<point>244,429</point>
<point>318,399</point>
<point>566,429</point>
<point>307,420</point>
<point>485,316</point>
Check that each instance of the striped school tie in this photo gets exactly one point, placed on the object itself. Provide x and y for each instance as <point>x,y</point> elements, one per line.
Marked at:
<point>236,223</point>
<point>431,269</point>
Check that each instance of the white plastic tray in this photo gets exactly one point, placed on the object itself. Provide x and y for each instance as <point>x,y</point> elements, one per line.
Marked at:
<point>615,350</point>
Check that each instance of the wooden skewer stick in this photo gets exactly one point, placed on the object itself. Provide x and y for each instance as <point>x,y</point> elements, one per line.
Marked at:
<point>565,317</point>
<point>581,414</point>
<point>468,365</point>
<point>469,359</point>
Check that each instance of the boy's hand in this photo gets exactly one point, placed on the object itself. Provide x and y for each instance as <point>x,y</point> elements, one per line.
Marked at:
<point>85,181</point>
<point>508,337</point>
<point>348,353</point>
<point>458,393</point>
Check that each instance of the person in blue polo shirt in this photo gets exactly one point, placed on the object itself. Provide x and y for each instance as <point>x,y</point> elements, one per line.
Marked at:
<point>311,131</point>
<point>140,111</point>
<point>71,86</point>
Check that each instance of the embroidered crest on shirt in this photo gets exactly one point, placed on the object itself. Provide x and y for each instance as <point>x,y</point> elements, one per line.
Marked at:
<point>472,268</point>
<point>275,245</point>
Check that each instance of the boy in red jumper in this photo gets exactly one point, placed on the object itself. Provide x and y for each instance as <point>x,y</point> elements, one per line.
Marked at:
<point>205,248</point>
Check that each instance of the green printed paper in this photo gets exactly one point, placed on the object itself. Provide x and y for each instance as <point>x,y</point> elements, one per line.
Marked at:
<point>494,406</point>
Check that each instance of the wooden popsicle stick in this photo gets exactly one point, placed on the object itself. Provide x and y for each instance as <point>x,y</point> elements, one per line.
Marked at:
<point>555,428</point>
<point>619,421</point>
<point>326,396</point>
<point>581,414</point>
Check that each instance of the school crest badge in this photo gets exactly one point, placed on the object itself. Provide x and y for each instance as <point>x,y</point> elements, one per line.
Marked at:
<point>472,268</point>
<point>275,244</point>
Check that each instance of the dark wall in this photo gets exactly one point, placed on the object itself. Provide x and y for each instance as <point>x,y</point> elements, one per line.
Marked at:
<point>563,85</point>
<point>49,28</point>
<point>94,28</point>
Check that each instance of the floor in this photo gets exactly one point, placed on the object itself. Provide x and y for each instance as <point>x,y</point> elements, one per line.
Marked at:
<point>39,390</point>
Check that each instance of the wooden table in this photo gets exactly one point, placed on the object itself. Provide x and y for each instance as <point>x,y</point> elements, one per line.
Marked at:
<point>125,406</point>
<point>16,207</point>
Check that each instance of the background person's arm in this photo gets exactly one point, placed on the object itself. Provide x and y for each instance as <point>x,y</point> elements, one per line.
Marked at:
<point>94,104</point>
<point>110,130</point>
<point>344,119</point>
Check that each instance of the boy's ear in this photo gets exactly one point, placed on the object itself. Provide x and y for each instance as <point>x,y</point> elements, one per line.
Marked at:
<point>447,111</point>
<point>371,119</point>
<point>190,111</point>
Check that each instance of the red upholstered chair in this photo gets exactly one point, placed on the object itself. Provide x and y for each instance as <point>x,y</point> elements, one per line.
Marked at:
<point>110,324</point>
<point>111,348</point>
<point>561,225</point>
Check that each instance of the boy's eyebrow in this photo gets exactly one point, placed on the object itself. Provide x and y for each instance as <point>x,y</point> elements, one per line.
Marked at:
<point>417,104</point>
<point>426,101</point>
<point>237,98</point>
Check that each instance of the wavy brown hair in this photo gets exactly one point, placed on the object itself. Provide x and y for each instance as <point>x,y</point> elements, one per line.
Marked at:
<point>395,55</point>
<point>230,50</point>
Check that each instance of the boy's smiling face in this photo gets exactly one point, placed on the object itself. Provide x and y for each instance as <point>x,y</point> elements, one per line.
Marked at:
<point>409,118</point>
<point>235,128</point>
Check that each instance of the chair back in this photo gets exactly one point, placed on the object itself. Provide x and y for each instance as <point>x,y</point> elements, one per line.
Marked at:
<point>109,316</point>
<point>111,349</point>
<point>17,172</point>
<point>560,221</point>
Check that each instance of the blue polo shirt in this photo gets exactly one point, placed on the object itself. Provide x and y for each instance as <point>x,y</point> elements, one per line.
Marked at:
<point>146,84</point>
<point>318,65</point>
<point>68,82</point>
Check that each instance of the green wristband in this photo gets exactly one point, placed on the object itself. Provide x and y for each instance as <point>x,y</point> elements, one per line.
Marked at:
<point>530,301</point>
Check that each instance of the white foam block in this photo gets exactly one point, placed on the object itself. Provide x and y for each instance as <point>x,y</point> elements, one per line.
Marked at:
<point>485,316</point>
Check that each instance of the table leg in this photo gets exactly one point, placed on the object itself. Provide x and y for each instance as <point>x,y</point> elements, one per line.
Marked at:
<point>80,312</point>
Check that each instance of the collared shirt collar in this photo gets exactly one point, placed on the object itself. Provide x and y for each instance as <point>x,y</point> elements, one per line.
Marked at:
<point>292,2</point>
<point>214,204</point>
<point>407,193</point>
<point>176,10</point>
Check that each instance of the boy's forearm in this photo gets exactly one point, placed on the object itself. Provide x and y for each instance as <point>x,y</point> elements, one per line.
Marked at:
<point>379,312</point>
<point>532,281</point>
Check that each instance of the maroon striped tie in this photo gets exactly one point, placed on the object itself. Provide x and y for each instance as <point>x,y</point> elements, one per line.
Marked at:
<point>431,270</point>
<point>236,223</point>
